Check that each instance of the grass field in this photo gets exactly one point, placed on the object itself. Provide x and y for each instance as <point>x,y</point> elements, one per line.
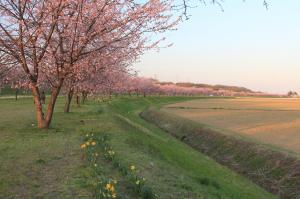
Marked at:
<point>274,121</point>
<point>50,163</point>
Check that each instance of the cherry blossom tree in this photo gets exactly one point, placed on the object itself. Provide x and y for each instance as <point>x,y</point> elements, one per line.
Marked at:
<point>144,86</point>
<point>108,81</point>
<point>15,79</point>
<point>110,67</point>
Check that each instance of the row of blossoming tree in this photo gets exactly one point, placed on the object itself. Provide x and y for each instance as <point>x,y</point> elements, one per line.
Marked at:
<point>121,83</point>
<point>75,44</point>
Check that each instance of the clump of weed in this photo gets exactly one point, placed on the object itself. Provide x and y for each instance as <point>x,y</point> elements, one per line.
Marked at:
<point>147,192</point>
<point>40,161</point>
<point>208,182</point>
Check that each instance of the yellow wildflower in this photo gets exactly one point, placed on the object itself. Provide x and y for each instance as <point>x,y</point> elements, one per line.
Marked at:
<point>82,146</point>
<point>112,189</point>
<point>108,186</point>
<point>93,143</point>
<point>114,195</point>
<point>132,167</point>
<point>87,143</point>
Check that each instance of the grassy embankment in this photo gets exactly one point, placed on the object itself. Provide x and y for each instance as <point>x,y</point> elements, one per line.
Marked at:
<point>49,163</point>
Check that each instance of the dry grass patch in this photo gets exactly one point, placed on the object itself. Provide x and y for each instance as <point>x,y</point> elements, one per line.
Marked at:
<point>272,121</point>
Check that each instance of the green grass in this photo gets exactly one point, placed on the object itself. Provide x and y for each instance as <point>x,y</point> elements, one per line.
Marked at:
<point>49,164</point>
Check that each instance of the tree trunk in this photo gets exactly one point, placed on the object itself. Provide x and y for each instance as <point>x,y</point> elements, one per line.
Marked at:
<point>44,121</point>
<point>38,107</point>
<point>16,96</point>
<point>84,96</point>
<point>78,100</point>
<point>51,105</point>
<point>68,101</point>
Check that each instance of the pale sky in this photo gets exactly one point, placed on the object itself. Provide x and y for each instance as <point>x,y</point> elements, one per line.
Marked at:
<point>246,45</point>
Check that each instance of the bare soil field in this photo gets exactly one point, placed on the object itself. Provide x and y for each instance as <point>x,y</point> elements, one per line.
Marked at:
<point>274,121</point>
